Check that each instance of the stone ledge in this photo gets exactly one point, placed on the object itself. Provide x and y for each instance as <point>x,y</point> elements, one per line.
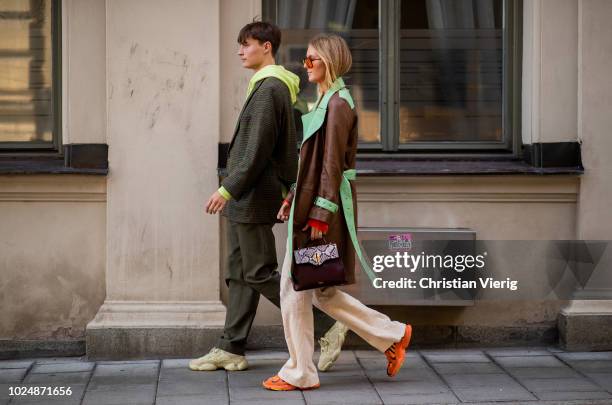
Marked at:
<point>141,329</point>
<point>16,349</point>
<point>142,343</point>
<point>586,324</point>
<point>585,332</point>
<point>158,314</point>
<point>189,342</point>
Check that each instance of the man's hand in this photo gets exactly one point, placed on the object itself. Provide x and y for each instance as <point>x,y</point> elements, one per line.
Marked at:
<point>283,212</point>
<point>215,203</point>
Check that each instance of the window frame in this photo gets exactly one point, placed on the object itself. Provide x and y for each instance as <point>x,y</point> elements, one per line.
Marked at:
<point>53,148</point>
<point>511,94</point>
<point>389,147</point>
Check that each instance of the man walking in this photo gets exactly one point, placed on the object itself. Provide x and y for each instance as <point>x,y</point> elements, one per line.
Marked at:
<point>262,164</point>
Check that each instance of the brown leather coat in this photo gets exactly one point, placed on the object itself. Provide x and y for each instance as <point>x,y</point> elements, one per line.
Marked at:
<point>323,159</point>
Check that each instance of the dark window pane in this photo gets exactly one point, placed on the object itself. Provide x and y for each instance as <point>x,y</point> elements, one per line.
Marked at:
<point>451,64</point>
<point>357,22</point>
<point>26,99</point>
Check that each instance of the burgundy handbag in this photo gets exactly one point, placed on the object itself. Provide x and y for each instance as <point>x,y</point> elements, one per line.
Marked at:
<point>317,267</point>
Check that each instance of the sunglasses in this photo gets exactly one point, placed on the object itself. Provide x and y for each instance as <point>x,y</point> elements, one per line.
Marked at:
<point>307,61</point>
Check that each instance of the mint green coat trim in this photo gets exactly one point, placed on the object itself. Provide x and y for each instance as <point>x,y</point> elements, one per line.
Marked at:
<point>346,195</point>
<point>344,93</point>
<point>325,203</point>
<point>312,121</point>
<point>290,231</point>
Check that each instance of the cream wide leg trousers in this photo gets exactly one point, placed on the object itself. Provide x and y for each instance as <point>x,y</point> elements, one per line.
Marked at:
<point>296,308</point>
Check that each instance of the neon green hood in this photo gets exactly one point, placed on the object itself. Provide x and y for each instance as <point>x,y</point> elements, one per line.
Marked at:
<point>290,79</point>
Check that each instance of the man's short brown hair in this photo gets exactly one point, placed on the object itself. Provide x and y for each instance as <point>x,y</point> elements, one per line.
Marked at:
<point>263,32</point>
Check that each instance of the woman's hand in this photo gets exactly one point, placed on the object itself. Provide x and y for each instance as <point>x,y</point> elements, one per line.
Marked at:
<point>314,232</point>
<point>283,212</point>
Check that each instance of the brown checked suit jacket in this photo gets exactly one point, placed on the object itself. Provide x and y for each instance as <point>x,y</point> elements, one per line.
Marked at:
<point>262,156</point>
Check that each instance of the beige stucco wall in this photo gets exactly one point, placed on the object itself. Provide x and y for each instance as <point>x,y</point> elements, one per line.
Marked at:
<point>550,71</point>
<point>594,124</point>
<point>595,119</point>
<point>52,244</point>
<point>83,71</point>
<point>163,131</point>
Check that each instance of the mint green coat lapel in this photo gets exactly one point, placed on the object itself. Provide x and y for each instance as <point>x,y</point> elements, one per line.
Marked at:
<point>313,120</point>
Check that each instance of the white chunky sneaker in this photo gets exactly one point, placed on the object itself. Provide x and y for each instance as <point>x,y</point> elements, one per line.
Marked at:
<point>331,345</point>
<point>218,358</point>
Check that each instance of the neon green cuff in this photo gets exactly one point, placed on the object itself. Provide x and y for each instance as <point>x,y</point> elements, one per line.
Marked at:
<point>324,203</point>
<point>224,193</point>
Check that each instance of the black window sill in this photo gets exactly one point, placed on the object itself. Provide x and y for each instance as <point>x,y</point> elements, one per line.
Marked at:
<point>77,159</point>
<point>537,159</point>
<point>395,167</point>
<point>45,166</point>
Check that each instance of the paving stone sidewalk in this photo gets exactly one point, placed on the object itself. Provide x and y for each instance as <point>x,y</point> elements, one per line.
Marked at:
<point>543,375</point>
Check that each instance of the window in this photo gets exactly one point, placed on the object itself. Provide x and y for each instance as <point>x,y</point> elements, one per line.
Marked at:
<point>29,75</point>
<point>436,76</point>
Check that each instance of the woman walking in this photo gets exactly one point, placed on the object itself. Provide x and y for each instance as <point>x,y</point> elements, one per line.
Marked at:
<point>323,202</point>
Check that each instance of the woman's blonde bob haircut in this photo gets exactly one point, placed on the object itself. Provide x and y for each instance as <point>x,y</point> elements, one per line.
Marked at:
<point>335,55</point>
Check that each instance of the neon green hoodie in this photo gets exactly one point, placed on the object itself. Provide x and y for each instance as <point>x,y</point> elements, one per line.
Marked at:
<point>290,79</point>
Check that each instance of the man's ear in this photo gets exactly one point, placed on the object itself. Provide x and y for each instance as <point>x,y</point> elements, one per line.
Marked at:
<point>268,46</point>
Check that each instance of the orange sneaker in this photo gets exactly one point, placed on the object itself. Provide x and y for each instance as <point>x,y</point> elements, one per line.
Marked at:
<point>278,384</point>
<point>397,353</point>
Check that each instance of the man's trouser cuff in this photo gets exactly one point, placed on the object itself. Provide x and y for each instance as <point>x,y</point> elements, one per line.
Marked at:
<point>230,347</point>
